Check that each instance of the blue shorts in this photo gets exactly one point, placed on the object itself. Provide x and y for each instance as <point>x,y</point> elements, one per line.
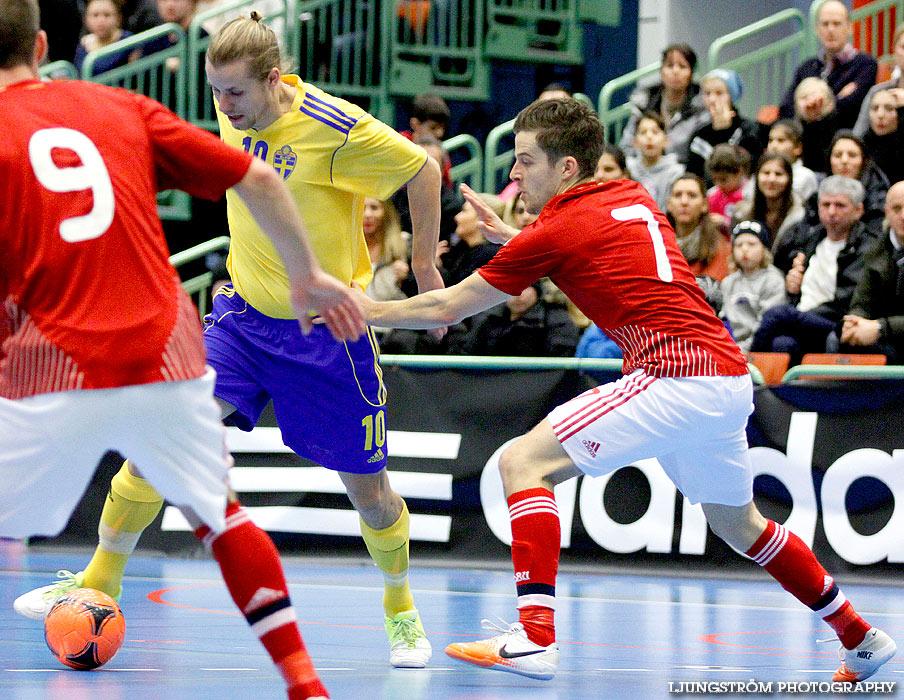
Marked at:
<point>329,397</point>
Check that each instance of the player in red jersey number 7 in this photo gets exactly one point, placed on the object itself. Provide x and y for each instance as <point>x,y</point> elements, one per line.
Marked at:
<point>100,347</point>
<point>684,398</point>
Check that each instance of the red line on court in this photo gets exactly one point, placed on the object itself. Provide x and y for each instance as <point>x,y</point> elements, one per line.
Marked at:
<point>157,597</point>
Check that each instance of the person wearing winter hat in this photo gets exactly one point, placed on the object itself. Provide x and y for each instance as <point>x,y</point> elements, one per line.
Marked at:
<point>755,284</point>
<point>721,91</point>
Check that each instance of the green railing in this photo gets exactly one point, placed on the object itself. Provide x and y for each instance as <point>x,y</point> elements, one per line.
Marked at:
<point>340,50</point>
<point>199,286</point>
<point>496,164</point>
<point>155,77</point>
<point>614,115</point>
<point>534,30</point>
<point>845,372</point>
<point>765,70</point>
<point>160,75</point>
<point>200,106</point>
<point>469,170</point>
<point>437,46</point>
<point>58,70</point>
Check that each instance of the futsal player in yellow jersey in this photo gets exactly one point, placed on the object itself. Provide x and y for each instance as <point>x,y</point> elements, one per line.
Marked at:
<point>328,397</point>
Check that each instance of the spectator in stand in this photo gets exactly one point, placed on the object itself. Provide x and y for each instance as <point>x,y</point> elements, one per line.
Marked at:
<point>702,244</point>
<point>754,285</point>
<point>773,201</point>
<point>430,117</point>
<point>451,201</point>
<point>676,98</point>
<point>884,140</point>
<point>103,20</point>
<point>596,344</point>
<point>473,250</point>
<point>721,91</point>
<point>652,167</point>
<point>179,12</point>
<point>140,15</point>
<point>526,325</point>
<point>785,137</point>
<point>823,265</point>
<point>554,91</point>
<point>848,72</point>
<point>516,214</point>
<point>875,321</point>
<point>62,20</point>
<point>728,168</point>
<point>388,248</point>
<point>612,164</point>
<point>848,157</point>
<point>896,82</point>
<point>815,109</point>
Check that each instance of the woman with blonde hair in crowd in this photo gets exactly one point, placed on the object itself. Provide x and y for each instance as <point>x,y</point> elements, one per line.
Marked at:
<point>388,247</point>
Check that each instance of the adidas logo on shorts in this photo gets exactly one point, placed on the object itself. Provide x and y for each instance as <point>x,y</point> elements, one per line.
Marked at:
<point>376,457</point>
<point>592,446</point>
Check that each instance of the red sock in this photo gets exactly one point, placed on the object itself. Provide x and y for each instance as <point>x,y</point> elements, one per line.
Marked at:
<point>784,555</point>
<point>253,574</point>
<point>536,538</point>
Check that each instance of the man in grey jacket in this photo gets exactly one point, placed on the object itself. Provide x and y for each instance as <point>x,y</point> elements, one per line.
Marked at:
<point>823,265</point>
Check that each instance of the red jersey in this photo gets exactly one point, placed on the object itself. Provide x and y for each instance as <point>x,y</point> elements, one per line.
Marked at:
<point>89,297</point>
<point>613,253</point>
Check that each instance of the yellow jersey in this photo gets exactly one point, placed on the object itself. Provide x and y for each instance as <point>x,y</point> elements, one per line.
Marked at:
<point>331,154</point>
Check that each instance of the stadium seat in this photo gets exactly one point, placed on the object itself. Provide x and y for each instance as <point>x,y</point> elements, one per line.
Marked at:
<point>772,365</point>
<point>884,72</point>
<point>814,358</point>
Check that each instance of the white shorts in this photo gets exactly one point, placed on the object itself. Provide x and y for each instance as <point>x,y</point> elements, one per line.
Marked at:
<point>694,426</point>
<point>50,445</point>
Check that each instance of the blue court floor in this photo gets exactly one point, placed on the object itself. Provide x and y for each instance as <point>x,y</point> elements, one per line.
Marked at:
<point>623,637</point>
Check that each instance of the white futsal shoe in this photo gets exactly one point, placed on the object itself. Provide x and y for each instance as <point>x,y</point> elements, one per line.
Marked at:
<point>509,651</point>
<point>37,603</point>
<point>408,644</point>
<point>866,658</point>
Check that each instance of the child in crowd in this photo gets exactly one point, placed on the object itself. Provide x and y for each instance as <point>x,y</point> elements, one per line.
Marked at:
<point>103,20</point>
<point>516,214</point>
<point>786,137</point>
<point>612,165</point>
<point>430,117</point>
<point>728,168</point>
<point>755,284</point>
<point>652,167</point>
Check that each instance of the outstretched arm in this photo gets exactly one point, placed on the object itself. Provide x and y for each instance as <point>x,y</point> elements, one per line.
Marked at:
<point>441,307</point>
<point>490,225</point>
<point>311,289</point>
<point>424,203</point>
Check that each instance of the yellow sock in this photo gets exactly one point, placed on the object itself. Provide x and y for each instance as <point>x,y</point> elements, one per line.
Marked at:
<point>389,550</point>
<point>131,505</point>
